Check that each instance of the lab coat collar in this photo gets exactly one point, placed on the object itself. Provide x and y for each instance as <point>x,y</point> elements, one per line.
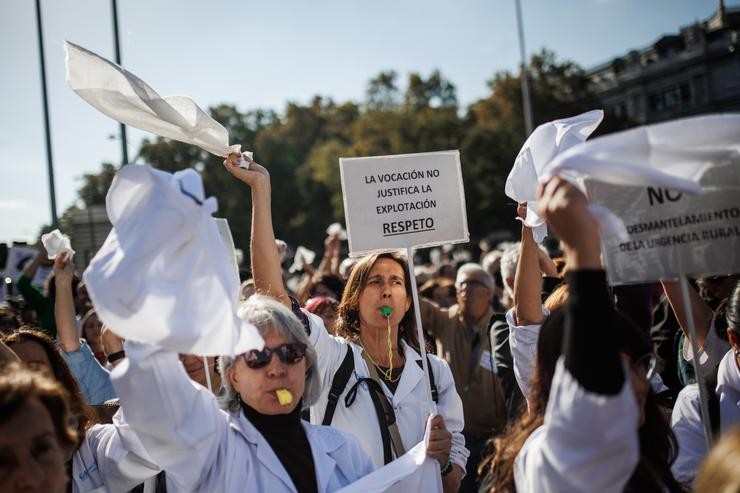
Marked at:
<point>410,376</point>
<point>323,445</point>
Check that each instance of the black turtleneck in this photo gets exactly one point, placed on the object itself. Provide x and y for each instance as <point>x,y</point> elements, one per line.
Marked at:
<point>286,436</point>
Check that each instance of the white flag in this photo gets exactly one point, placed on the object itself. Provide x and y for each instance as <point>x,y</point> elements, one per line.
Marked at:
<point>121,95</point>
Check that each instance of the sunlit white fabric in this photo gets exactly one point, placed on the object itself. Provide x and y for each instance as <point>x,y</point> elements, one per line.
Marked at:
<point>161,276</point>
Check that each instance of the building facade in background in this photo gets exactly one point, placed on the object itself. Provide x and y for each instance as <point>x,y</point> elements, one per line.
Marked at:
<point>695,71</point>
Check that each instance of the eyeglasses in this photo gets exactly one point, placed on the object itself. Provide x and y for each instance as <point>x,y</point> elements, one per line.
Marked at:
<point>289,353</point>
<point>469,284</point>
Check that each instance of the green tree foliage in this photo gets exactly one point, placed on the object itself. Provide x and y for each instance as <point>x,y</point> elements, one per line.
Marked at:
<point>302,146</point>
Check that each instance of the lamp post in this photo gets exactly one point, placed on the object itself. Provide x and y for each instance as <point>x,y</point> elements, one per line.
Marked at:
<point>526,102</point>
<point>45,104</point>
<point>116,45</point>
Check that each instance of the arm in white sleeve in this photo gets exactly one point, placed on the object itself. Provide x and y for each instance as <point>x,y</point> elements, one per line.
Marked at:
<point>523,343</point>
<point>178,422</point>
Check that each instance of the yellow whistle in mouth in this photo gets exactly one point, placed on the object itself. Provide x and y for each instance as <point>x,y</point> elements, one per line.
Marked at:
<point>284,396</point>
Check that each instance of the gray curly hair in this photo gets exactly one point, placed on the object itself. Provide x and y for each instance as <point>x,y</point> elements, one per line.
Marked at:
<point>267,314</point>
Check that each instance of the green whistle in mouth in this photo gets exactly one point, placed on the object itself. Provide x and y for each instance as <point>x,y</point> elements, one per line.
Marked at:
<point>386,311</point>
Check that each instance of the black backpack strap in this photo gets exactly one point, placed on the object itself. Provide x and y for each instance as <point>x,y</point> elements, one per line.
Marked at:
<point>435,393</point>
<point>383,410</point>
<point>338,383</point>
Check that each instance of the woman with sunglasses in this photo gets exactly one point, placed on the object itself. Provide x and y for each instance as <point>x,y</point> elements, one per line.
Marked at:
<point>376,321</point>
<point>592,422</point>
<point>255,440</point>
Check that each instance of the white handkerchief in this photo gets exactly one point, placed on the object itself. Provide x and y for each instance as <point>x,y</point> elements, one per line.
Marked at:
<point>121,95</point>
<point>55,243</point>
<point>547,141</point>
<point>161,277</point>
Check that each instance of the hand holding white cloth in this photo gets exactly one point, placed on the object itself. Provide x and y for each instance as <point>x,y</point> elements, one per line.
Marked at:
<point>56,243</point>
<point>413,471</point>
<point>121,95</point>
<point>547,141</point>
<point>161,276</point>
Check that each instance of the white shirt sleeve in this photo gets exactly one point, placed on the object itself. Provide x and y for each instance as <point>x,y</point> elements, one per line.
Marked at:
<point>523,343</point>
<point>687,425</point>
<point>178,422</point>
<point>588,442</point>
<point>710,354</point>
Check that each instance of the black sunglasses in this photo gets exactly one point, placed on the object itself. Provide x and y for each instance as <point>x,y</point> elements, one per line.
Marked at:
<point>289,353</point>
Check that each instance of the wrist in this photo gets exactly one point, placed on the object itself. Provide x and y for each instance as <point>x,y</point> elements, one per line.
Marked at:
<point>447,469</point>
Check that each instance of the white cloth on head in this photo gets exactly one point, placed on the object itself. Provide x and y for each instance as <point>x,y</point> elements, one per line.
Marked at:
<point>121,95</point>
<point>588,442</point>
<point>161,276</point>
<point>547,141</point>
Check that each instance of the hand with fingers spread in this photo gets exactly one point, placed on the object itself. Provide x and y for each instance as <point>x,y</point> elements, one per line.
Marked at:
<point>565,209</point>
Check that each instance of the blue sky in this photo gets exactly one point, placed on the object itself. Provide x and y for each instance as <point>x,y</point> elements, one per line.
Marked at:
<point>263,54</point>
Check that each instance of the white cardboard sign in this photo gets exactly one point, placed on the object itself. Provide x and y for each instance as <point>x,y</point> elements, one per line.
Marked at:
<point>673,233</point>
<point>402,201</point>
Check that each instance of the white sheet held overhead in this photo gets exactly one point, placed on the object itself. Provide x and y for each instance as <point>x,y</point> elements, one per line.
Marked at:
<point>121,95</point>
<point>161,276</point>
<point>547,141</point>
<point>672,155</point>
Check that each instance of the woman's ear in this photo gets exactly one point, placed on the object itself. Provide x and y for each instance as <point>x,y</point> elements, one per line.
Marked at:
<point>232,376</point>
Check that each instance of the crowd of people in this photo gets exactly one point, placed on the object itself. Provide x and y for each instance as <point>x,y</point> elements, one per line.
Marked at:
<point>543,377</point>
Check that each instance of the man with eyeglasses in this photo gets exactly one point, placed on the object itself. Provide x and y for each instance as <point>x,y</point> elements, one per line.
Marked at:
<point>463,340</point>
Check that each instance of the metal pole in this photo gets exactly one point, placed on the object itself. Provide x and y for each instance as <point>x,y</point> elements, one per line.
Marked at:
<point>49,161</point>
<point>124,142</point>
<point>525,79</point>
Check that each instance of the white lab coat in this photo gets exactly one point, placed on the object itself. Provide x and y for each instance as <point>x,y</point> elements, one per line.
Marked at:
<point>523,344</point>
<point>686,421</point>
<point>587,443</point>
<point>111,459</point>
<point>409,401</point>
<point>203,448</point>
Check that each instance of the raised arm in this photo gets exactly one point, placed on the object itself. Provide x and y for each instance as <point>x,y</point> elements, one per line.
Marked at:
<point>64,307</point>
<point>701,310</point>
<point>268,278</point>
<point>591,354</point>
<point>528,279</point>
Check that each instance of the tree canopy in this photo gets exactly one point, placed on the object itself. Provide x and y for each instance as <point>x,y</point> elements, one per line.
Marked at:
<point>301,147</point>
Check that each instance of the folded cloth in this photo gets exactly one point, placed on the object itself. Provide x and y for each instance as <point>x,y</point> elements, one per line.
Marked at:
<point>161,277</point>
<point>121,95</point>
<point>547,141</point>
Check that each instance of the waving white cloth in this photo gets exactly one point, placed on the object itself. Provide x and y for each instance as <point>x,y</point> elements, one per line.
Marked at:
<point>672,155</point>
<point>121,95</point>
<point>547,141</point>
<point>56,243</point>
<point>161,276</point>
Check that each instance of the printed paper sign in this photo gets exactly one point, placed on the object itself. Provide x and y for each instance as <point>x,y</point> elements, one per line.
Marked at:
<point>673,233</point>
<point>407,200</point>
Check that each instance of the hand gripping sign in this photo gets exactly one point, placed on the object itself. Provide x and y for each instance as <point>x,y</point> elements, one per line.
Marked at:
<point>404,201</point>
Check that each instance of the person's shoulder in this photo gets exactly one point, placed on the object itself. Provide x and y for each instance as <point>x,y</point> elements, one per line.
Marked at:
<point>687,401</point>
<point>332,439</point>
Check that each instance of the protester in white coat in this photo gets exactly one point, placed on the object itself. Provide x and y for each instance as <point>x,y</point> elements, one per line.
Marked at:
<point>259,443</point>
<point>686,419</point>
<point>592,423</point>
<point>377,282</point>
